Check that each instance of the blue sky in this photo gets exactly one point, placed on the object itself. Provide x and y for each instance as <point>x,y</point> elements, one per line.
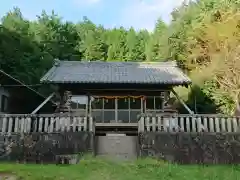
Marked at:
<point>141,14</point>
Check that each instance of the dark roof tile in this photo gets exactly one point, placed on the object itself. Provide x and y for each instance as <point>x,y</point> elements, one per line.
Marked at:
<point>115,72</point>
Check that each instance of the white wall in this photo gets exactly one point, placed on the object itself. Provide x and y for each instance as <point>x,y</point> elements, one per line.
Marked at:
<point>3,92</point>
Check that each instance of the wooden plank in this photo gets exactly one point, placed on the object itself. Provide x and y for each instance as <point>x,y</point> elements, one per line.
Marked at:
<point>80,124</point>
<point>148,123</point>
<point>16,126</point>
<point>170,124</point>
<point>223,124</point>
<point>28,124</point>
<point>10,124</point>
<point>91,128</point>
<point>85,124</point>
<point>4,125</point>
<point>188,124</point>
<point>235,125</point>
<point>205,124</point>
<point>229,124</point>
<point>141,124</point>
<point>57,121</point>
<point>52,121</point>
<point>199,124</point>
<point>25,124</point>
<point>22,124</point>
<point>76,129</point>
<point>182,124</point>
<point>194,128</point>
<point>217,125</point>
<point>238,122</point>
<point>40,124</point>
<point>159,124</point>
<point>46,124</point>
<point>74,124</point>
<point>211,124</point>
<point>116,124</point>
<point>36,124</point>
<point>68,123</point>
<point>165,124</point>
<point>62,122</point>
<point>176,125</point>
<point>154,124</point>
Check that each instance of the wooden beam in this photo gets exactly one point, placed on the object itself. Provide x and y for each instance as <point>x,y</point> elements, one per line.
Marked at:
<point>117,125</point>
<point>182,102</point>
<point>43,103</point>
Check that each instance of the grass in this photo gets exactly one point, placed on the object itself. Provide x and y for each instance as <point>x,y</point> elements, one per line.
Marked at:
<point>92,169</point>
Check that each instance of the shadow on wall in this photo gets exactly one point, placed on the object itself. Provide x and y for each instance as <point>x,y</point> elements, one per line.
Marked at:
<point>198,102</point>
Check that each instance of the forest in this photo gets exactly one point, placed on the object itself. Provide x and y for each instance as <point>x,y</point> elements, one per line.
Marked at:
<point>203,37</point>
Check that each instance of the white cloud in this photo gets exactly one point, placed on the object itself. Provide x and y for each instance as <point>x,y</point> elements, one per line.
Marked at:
<point>142,14</point>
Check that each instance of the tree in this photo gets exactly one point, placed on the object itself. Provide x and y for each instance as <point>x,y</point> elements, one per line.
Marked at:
<point>203,37</point>
<point>131,43</point>
<point>117,43</point>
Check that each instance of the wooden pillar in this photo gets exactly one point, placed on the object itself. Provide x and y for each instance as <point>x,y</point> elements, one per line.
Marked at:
<point>162,95</point>
<point>89,105</point>
<point>144,104</point>
<point>116,109</point>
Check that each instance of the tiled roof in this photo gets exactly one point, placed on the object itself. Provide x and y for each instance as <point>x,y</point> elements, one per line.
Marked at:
<point>115,72</point>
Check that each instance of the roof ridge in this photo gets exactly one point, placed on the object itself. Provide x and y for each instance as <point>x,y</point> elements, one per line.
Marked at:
<point>56,63</point>
<point>162,63</point>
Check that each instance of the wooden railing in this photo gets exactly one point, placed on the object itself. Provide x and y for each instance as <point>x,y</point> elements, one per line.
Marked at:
<point>188,123</point>
<point>13,123</point>
<point>10,123</point>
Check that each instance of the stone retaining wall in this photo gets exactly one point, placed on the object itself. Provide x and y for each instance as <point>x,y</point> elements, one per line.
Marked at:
<point>184,148</point>
<point>44,147</point>
<point>192,148</point>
